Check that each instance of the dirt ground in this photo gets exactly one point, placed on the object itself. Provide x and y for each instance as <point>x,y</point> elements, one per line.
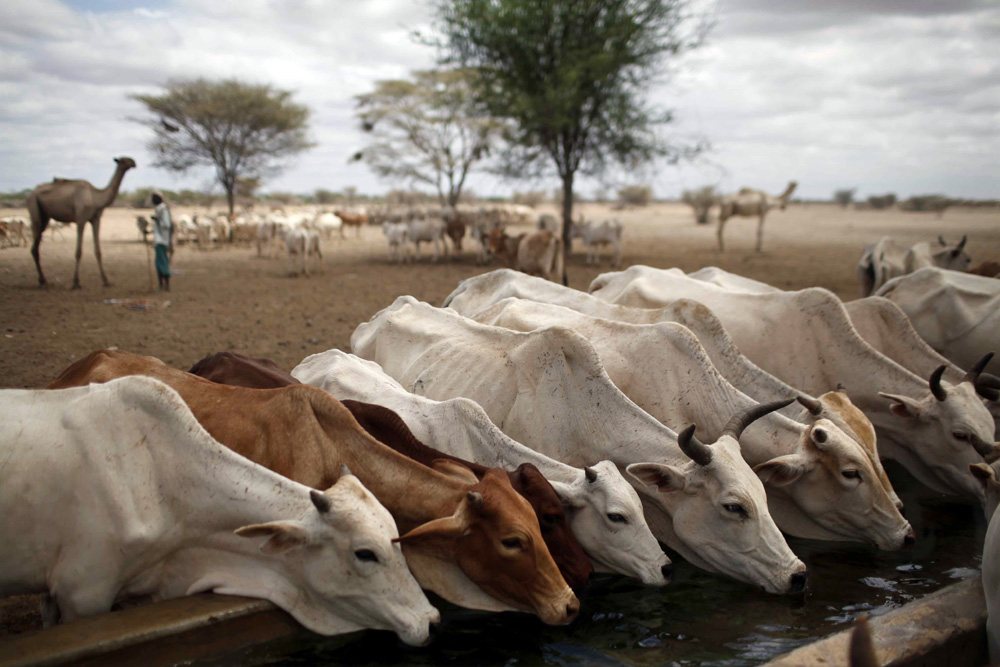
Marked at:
<point>229,299</point>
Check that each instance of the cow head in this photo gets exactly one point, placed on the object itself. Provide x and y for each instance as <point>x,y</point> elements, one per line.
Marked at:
<point>719,511</point>
<point>834,490</point>
<point>947,429</point>
<point>573,563</point>
<point>494,537</point>
<point>952,257</point>
<point>607,518</point>
<point>346,566</point>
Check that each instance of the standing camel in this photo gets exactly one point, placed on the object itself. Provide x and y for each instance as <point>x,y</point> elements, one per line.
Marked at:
<point>748,203</point>
<point>76,201</point>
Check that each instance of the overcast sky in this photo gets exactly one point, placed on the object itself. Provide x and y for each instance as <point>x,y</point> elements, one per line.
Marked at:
<point>885,95</point>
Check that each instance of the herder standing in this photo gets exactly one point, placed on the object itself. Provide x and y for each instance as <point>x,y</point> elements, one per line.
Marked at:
<point>163,236</point>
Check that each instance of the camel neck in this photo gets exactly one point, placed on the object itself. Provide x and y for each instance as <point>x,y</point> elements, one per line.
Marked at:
<point>109,193</point>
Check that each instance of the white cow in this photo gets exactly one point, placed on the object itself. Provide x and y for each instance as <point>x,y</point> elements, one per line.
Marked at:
<point>594,236</point>
<point>397,236</point>
<point>547,389</point>
<point>958,314</point>
<point>16,229</point>
<point>115,491</point>
<point>934,429</point>
<point>480,292</point>
<point>304,243</point>
<point>603,510</point>
<point>203,226</point>
<point>989,477</point>
<point>820,482</point>
<point>429,230</point>
<point>886,259</point>
<point>328,223</point>
<point>732,281</point>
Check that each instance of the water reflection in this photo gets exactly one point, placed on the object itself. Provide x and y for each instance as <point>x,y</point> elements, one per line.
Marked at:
<point>698,619</point>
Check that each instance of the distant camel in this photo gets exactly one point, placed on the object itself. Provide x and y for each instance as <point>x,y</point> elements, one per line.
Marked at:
<point>76,201</point>
<point>748,203</point>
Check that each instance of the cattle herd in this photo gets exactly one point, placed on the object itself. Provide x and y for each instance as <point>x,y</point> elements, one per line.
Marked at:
<point>500,448</point>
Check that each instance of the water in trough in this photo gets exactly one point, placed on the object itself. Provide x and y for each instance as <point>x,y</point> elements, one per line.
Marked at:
<point>697,619</point>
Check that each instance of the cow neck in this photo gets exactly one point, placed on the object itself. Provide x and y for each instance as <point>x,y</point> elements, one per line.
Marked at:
<point>412,492</point>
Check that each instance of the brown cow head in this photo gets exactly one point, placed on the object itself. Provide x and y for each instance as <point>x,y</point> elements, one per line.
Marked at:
<point>494,538</point>
<point>566,551</point>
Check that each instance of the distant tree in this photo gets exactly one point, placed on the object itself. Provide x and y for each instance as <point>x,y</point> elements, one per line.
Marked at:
<point>844,197</point>
<point>325,197</point>
<point>570,79</point>
<point>701,200</point>
<point>242,130</point>
<point>881,202</point>
<point>636,195</point>
<point>924,203</point>
<point>532,199</point>
<point>350,193</point>
<point>428,130</point>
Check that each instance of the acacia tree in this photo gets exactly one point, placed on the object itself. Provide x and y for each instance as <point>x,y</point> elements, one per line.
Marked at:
<point>571,78</point>
<point>242,130</point>
<point>426,130</point>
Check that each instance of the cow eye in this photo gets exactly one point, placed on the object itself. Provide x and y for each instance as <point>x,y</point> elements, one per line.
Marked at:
<point>960,436</point>
<point>851,474</point>
<point>512,543</point>
<point>736,508</point>
<point>614,517</point>
<point>366,556</point>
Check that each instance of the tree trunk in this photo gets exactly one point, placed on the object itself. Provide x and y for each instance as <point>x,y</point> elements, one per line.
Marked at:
<point>230,198</point>
<point>567,225</point>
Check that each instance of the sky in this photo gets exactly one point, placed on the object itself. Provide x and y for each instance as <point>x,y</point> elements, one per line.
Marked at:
<point>884,95</point>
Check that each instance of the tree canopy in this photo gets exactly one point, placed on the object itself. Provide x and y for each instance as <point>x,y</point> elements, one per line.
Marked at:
<point>572,78</point>
<point>428,130</point>
<point>242,130</point>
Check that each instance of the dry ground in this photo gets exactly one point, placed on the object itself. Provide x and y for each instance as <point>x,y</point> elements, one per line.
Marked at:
<point>229,299</point>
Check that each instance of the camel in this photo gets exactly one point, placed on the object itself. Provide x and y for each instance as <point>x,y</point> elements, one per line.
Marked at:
<point>748,203</point>
<point>78,201</point>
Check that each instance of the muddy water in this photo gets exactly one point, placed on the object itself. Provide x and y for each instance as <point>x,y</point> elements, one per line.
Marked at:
<point>698,619</point>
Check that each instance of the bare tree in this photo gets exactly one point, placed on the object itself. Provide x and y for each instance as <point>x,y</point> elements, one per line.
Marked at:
<point>701,201</point>
<point>844,197</point>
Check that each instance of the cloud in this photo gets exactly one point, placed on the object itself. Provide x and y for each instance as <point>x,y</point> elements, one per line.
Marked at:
<point>897,95</point>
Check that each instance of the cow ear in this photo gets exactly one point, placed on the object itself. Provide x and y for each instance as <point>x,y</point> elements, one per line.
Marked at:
<point>455,470</point>
<point>282,535</point>
<point>445,528</point>
<point>569,495</point>
<point>781,471</point>
<point>663,477</point>
<point>902,406</point>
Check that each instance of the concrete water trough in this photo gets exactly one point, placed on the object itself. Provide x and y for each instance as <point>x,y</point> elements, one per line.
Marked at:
<point>945,628</point>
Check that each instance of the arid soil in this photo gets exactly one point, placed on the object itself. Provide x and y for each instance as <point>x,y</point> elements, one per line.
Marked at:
<point>229,299</point>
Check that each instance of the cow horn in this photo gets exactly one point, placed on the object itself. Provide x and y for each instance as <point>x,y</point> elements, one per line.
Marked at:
<point>935,383</point>
<point>961,244</point>
<point>974,372</point>
<point>841,388</point>
<point>695,450</point>
<point>988,450</point>
<point>811,404</point>
<point>344,470</point>
<point>740,421</point>
<point>590,473</point>
<point>321,501</point>
<point>475,499</point>
<point>941,240</point>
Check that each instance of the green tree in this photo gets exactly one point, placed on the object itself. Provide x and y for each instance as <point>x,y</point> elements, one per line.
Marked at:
<point>844,197</point>
<point>570,79</point>
<point>242,130</point>
<point>426,130</point>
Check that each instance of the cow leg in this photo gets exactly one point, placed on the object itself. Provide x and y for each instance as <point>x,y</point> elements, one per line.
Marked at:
<point>437,250</point>
<point>79,253</point>
<point>618,255</point>
<point>718,233</point>
<point>49,611</point>
<point>95,230</point>
<point>760,233</point>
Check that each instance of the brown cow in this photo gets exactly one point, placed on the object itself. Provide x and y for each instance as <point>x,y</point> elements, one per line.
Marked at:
<point>356,220</point>
<point>485,529</point>
<point>388,428</point>
<point>538,253</point>
<point>989,269</point>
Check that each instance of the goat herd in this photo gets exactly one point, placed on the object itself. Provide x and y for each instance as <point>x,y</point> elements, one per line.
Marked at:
<point>498,449</point>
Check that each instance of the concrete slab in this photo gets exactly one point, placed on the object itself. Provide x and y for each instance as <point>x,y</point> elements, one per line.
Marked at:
<point>944,629</point>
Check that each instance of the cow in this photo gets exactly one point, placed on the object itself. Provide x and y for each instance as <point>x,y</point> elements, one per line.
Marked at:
<point>988,477</point>
<point>820,482</point>
<point>932,427</point>
<point>356,220</point>
<point>303,243</point>
<point>732,281</point>
<point>987,269</point>
<point>603,510</point>
<point>886,259</point>
<point>388,428</point>
<point>548,390</point>
<point>430,230</point>
<point>477,545</point>
<point>958,314</point>
<point>535,253</point>
<point>594,236</point>
<point>142,224</point>
<point>455,229</point>
<point>115,492</point>
<point>397,238</point>
<point>480,292</point>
